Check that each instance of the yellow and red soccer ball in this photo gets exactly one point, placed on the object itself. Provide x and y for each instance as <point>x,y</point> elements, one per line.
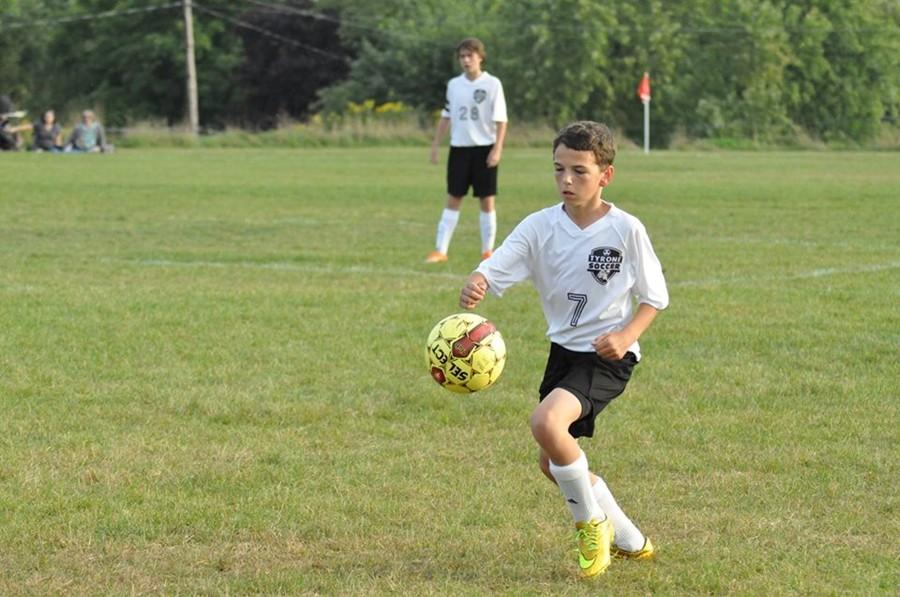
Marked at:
<point>465,353</point>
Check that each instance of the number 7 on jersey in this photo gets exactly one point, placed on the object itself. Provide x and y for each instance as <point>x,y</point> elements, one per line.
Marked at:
<point>580,301</point>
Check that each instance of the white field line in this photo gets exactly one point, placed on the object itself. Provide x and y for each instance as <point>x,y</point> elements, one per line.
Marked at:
<point>740,240</point>
<point>301,267</point>
<point>365,269</point>
<point>794,242</point>
<point>815,273</point>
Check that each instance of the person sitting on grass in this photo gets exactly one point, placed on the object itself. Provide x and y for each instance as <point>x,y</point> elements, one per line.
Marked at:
<point>88,135</point>
<point>10,139</point>
<point>46,134</point>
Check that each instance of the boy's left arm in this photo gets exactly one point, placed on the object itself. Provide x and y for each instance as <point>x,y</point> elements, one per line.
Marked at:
<point>614,345</point>
<point>494,156</point>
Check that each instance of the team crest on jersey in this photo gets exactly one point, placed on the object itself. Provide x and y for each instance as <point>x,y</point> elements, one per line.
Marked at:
<point>604,263</point>
<point>479,95</point>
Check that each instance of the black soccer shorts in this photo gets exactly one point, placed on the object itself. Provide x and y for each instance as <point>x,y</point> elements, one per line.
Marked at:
<point>467,167</point>
<point>595,381</point>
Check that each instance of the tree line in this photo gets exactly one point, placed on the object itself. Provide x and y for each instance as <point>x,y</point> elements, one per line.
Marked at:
<point>766,70</point>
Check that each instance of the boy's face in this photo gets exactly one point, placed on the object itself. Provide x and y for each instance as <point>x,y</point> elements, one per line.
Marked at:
<point>469,61</point>
<point>579,178</point>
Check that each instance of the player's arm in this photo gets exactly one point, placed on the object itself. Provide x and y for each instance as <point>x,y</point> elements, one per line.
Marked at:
<point>614,345</point>
<point>474,290</point>
<point>439,133</point>
<point>497,151</point>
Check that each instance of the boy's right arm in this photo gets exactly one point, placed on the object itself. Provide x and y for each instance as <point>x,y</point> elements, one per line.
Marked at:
<point>473,292</point>
<point>442,126</point>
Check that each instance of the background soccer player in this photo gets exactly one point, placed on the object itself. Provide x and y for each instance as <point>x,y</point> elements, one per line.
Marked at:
<point>475,113</point>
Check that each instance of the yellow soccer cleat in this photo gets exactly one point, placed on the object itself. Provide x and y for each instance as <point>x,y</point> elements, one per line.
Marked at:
<point>436,257</point>
<point>594,541</point>
<point>644,553</point>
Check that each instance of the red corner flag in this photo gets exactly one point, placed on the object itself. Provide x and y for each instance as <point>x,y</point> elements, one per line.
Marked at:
<point>643,89</point>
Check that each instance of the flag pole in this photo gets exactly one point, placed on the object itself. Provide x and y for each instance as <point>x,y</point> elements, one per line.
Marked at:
<point>643,92</point>
<point>647,126</point>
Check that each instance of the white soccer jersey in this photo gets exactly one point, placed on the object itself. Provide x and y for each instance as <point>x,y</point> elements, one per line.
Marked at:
<point>588,280</point>
<point>474,108</point>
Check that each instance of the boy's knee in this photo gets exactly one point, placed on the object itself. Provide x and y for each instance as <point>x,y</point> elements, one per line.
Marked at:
<point>543,423</point>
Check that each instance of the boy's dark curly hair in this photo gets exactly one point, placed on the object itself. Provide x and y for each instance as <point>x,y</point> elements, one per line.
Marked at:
<point>587,135</point>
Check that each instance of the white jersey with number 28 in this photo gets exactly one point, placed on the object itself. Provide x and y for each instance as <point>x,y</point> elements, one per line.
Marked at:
<point>589,280</point>
<point>474,109</point>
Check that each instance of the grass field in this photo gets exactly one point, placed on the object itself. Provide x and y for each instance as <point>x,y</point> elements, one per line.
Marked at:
<point>212,380</point>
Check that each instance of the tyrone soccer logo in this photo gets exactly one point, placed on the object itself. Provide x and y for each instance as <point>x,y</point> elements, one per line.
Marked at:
<point>479,95</point>
<point>604,263</point>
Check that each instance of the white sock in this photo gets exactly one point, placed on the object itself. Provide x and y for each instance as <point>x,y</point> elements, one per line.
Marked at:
<point>628,536</point>
<point>574,481</point>
<point>488,222</point>
<point>446,226</point>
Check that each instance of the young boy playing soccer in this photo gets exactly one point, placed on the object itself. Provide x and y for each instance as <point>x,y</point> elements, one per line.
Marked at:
<point>591,263</point>
<point>475,113</point>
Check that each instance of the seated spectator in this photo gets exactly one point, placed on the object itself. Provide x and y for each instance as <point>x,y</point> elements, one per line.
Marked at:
<point>88,135</point>
<point>10,140</point>
<point>46,134</point>
<point>9,135</point>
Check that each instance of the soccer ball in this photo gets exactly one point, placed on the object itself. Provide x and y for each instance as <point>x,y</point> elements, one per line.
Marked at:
<point>465,353</point>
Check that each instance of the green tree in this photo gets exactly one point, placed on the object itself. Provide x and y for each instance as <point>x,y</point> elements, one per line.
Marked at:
<point>555,57</point>
<point>405,49</point>
<point>730,77</point>
<point>281,75</point>
<point>760,69</point>
<point>646,37</point>
<point>131,64</point>
<point>842,78</point>
<point>23,57</point>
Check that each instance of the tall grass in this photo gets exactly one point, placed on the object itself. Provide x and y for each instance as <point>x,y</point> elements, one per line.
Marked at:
<point>347,132</point>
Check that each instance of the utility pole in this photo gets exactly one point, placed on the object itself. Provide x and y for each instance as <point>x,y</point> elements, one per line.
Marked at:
<point>193,105</point>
